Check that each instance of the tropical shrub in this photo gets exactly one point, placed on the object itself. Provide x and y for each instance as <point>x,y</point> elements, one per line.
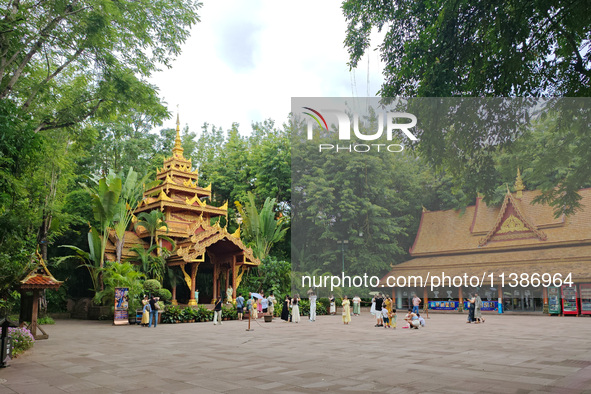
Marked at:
<point>188,313</point>
<point>172,314</point>
<point>164,294</point>
<point>152,286</point>
<point>45,320</point>
<point>229,312</point>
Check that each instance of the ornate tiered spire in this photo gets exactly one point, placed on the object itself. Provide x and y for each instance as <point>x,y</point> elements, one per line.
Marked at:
<point>519,187</point>
<point>177,151</point>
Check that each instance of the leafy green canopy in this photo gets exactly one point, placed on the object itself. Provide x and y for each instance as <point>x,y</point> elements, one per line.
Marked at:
<point>494,48</point>
<point>65,61</point>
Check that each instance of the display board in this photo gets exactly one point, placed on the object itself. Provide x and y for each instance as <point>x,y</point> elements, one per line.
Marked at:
<point>443,305</point>
<point>121,306</point>
<point>569,300</point>
<point>554,306</point>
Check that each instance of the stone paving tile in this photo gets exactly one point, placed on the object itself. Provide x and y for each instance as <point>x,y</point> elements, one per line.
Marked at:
<point>507,354</point>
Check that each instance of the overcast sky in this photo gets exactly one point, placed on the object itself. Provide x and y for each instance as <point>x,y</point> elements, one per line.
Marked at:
<point>246,59</point>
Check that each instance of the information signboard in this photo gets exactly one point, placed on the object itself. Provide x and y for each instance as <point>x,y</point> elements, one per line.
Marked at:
<point>553,300</point>
<point>121,306</point>
<point>443,305</point>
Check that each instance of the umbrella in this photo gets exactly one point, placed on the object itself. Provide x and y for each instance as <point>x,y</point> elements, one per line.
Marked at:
<point>256,295</point>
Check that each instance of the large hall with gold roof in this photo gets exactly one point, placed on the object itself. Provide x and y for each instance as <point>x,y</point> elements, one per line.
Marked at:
<point>518,239</point>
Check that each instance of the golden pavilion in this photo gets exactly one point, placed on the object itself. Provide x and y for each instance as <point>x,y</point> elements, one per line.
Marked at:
<point>200,245</point>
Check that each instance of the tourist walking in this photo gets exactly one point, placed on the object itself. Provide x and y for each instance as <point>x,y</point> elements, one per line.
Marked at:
<point>240,306</point>
<point>385,317</point>
<point>471,306</point>
<point>217,311</point>
<point>260,304</point>
<point>346,310</point>
<point>295,309</point>
<point>285,309</point>
<point>154,307</point>
<point>146,311</point>
<point>372,310</point>
<point>478,309</point>
<point>272,301</point>
<point>264,304</point>
<point>312,298</point>
<point>356,305</point>
<point>379,304</point>
<point>255,308</point>
<point>416,302</point>
<point>333,308</point>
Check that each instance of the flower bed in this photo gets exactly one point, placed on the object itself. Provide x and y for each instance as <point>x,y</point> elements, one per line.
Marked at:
<point>22,339</point>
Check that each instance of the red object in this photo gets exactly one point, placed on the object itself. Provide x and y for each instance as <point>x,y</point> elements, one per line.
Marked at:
<point>570,306</point>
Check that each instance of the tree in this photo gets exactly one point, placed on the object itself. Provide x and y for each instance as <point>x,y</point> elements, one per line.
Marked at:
<point>152,222</point>
<point>261,228</point>
<point>64,62</point>
<point>104,206</point>
<point>492,48</point>
<point>131,193</point>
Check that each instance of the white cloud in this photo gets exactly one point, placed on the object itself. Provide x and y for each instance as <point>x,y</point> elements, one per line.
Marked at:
<point>245,60</point>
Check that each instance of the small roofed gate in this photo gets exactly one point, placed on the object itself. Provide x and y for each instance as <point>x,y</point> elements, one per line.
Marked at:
<point>38,279</point>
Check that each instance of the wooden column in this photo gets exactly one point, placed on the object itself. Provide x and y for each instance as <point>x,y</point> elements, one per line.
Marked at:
<point>234,275</point>
<point>192,300</point>
<point>35,312</point>
<point>227,280</point>
<point>215,282</point>
<point>461,298</point>
<point>425,298</point>
<point>174,301</point>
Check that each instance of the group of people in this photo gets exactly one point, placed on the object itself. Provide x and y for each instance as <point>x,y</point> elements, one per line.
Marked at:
<point>356,305</point>
<point>257,304</point>
<point>414,320</point>
<point>293,304</point>
<point>474,309</point>
<point>382,309</point>
<point>150,311</point>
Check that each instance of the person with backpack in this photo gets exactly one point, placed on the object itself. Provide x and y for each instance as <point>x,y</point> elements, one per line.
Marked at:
<point>154,308</point>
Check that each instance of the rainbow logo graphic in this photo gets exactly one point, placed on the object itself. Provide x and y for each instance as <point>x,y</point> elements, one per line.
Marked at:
<point>315,118</point>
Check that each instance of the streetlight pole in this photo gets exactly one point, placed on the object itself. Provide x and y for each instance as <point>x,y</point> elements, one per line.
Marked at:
<point>343,243</point>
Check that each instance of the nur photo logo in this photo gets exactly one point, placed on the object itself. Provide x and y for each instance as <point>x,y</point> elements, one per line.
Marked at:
<point>388,124</point>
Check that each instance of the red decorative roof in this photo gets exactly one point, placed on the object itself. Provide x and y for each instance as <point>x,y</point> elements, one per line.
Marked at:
<point>39,281</point>
<point>40,277</point>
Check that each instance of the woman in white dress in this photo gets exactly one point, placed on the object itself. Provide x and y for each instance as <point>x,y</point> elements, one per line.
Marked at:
<point>295,309</point>
<point>333,308</point>
<point>373,306</point>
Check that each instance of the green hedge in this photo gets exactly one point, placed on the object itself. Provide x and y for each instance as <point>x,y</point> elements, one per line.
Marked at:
<point>321,309</point>
<point>177,314</point>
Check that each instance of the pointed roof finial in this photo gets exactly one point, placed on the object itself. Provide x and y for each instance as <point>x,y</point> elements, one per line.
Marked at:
<point>177,151</point>
<point>519,187</point>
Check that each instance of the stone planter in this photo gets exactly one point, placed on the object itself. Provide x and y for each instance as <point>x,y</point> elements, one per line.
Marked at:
<point>268,318</point>
<point>100,312</point>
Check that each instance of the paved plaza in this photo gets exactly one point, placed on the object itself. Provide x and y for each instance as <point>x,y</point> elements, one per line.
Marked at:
<point>507,354</point>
